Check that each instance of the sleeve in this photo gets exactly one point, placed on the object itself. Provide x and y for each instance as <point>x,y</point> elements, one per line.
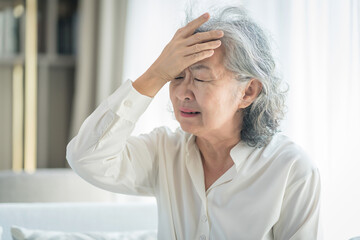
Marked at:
<point>300,214</point>
<point>103,152</point>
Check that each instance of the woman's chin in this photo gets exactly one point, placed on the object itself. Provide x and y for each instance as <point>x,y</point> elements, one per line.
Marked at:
<point>188,128</point>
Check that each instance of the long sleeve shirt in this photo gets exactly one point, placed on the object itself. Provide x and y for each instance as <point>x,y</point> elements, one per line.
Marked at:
<point>271,192</point>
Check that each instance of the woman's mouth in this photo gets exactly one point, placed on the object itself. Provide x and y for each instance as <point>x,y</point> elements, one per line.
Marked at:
<point>188,112</point>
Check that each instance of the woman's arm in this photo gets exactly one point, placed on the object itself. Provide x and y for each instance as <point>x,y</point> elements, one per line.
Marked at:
<point>300,213</point>
<point>103,153</point>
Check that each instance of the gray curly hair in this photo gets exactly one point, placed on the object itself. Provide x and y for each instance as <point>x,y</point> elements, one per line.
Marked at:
<point>248,55</point>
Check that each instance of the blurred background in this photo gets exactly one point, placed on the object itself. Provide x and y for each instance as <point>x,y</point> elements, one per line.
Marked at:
<point>60,58</point>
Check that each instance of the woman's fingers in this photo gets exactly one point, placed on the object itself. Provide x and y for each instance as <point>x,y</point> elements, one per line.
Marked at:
<point>199,47</point>
<point>190,28</point>
<point>196,57</point>
<point>185,49</point>
<point>204,37</point>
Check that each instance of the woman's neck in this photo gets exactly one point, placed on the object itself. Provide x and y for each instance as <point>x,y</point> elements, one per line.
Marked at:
<point>216,150</point>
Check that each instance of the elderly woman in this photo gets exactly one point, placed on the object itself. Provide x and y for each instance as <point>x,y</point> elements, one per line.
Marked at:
<point>226,174</point>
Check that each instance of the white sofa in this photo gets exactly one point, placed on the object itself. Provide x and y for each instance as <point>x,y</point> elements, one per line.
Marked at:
<point>59,200</point>
<point>79,217</point>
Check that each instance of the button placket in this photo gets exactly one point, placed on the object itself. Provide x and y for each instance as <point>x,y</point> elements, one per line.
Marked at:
<point>128,103</point>
<point>202,237</point>
<point>204,227</point>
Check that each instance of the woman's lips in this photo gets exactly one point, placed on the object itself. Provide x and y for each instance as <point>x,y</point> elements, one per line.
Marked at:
<point>186,112</point>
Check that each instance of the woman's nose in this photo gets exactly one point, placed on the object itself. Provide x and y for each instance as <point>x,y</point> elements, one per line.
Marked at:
<point>185,92</point>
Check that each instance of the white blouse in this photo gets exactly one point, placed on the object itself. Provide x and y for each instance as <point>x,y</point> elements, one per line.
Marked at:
<point>271,192</point>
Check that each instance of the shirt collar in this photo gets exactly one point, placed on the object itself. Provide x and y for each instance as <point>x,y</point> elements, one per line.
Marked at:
<point>190,140</point>
<point>239,153</point>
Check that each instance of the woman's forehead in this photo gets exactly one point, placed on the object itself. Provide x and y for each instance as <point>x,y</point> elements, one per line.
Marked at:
<point>216,60</point>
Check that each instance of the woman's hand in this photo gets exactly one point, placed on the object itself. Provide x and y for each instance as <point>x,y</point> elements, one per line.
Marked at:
<point>185,49</point>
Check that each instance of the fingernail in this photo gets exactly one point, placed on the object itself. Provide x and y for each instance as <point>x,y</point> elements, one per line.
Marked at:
<point>219,32</point>
<point>205,15</point>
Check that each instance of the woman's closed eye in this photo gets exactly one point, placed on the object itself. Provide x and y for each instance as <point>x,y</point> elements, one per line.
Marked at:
<point>196,79</point>
<point>199,80</point>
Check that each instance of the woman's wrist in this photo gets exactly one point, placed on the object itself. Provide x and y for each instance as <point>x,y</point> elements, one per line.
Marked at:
<point>149,84</point>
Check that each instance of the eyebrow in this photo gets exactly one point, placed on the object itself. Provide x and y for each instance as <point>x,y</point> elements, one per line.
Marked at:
<point>199,67</point>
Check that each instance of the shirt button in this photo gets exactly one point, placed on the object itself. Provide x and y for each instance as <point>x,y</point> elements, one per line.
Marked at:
<point>204,218</point>
<point>128,103</point>
<point>202,237</point>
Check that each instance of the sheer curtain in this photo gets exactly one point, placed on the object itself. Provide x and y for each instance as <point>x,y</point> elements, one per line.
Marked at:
<point>317,44</point>
<point>100,55</point>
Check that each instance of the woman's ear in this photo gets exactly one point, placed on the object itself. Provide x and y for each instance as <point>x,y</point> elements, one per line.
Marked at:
<point>251,92</point>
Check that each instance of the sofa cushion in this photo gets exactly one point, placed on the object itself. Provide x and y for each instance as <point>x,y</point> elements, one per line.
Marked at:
<point>20,233</point>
